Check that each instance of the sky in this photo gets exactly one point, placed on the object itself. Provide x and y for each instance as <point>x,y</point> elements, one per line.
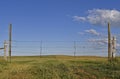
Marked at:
<point>59,20</point>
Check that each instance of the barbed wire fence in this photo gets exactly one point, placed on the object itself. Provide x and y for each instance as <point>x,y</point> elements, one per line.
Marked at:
<point>90,47</point>
<point>70,48</point>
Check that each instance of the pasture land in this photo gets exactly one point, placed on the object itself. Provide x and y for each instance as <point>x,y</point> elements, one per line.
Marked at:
<point>59,67</point>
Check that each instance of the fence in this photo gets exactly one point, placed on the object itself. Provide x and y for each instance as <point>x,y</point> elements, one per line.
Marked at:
<point>72,48</point>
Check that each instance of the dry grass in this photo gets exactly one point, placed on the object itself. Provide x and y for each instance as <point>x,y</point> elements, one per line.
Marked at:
<point>59,67</point>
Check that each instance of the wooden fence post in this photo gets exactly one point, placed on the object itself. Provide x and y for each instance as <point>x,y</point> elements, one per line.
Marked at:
<point>10,40</point>
<point>113,47</point>
<point>41,48</point>
<point>109,42</point>
<point>5,50</point>
<point>74,48</point>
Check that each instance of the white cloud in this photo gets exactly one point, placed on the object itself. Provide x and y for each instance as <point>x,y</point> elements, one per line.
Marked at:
<point>78,18</point>
<point>101,17</point>
<point>92,31</point>
<point>103,41</point>
<point>99,41</point>
<point>118,45</point>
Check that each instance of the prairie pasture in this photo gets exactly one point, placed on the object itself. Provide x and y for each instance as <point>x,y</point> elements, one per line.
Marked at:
<point>59,67</point>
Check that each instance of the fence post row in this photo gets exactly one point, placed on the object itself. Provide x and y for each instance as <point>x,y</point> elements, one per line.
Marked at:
<point>111,45</point>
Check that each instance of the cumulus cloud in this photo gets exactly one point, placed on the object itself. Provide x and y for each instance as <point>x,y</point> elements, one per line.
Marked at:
<point>101,17</point>
<point>92,31</point>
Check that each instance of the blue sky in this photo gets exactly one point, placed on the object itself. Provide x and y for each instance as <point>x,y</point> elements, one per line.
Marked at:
<point>54,20</point>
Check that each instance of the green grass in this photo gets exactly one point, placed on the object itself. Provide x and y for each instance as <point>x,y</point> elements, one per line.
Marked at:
<point>59,67</point>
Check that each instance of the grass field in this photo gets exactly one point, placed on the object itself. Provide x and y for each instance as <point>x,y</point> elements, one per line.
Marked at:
<point>59,67</point>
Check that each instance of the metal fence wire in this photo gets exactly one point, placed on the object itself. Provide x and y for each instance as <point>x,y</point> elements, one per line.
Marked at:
<point>72,48</point>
